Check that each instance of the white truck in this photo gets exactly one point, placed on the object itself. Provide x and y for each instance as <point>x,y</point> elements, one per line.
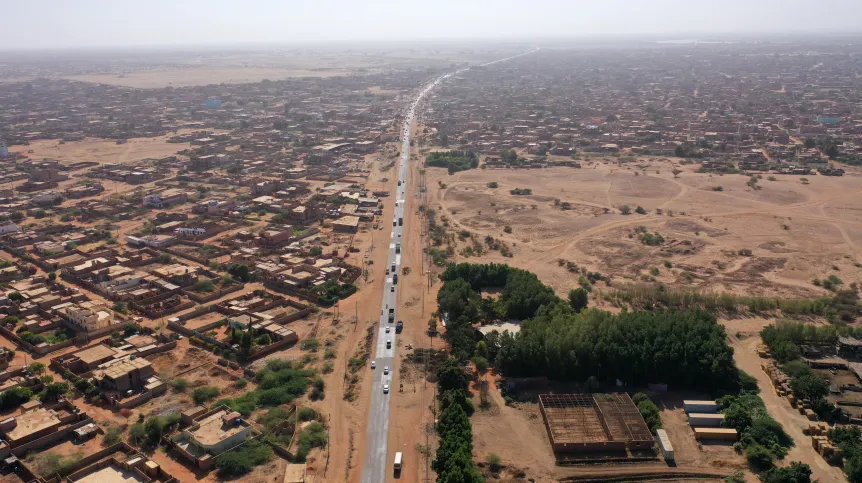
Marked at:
<point>398,456</point>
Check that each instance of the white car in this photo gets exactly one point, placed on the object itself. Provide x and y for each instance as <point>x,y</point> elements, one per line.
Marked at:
<point>385,370</point>
<point>392,289</point>
<point>386,389</point>
<point>387,330</point>
<point>373,364</point>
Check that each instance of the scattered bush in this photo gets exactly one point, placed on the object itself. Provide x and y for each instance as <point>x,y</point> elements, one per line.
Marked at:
<point>204,394</point>
<point>179,384</point>
<point>242,460</point>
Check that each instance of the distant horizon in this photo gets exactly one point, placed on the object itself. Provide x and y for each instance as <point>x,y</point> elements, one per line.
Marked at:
<point>100,24</point>
<point>467,42</point>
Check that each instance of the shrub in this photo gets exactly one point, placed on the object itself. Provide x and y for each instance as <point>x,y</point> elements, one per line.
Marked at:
<point>205,286</point>
<point>242,460</point>
<point>759,457</point>
<point>494,462</point>
<point>306,414</point>
<point>179,384</point>
<point>313,436</point>
<point>204,394</point>
<point>112,436</point>
<point>309,344</point>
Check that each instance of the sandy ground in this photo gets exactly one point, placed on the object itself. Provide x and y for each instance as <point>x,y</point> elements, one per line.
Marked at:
<point>100,150</point>
<point>192,76</point>
<point>796,232</point>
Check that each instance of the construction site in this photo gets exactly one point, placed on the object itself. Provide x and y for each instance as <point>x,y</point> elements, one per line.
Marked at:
<point>595,427</point>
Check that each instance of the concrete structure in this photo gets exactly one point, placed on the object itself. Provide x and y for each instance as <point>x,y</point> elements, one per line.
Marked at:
<point>721,434</point>
<point>694,406</point>
<point>705,419</point>
<point>346,224</point>
<point>582,423</point>
<point>122,378</point>
<point>8,228</point>
<point>664,444</point>
<point>89,316</point>
<point>214,433</point>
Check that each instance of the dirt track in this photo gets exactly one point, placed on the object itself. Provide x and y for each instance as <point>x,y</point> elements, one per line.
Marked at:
<point>820,223</point>
<point>746,358</point>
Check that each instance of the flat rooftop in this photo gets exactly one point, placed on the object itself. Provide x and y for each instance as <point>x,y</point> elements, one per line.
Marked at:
<point>32,422</point>
<point>120,367</point>
<point>111,474</point>
<point>212,430</point>
<point>97,353</point>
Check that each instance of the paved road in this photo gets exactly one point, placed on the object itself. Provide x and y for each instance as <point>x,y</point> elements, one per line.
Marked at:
<point>377,460</point>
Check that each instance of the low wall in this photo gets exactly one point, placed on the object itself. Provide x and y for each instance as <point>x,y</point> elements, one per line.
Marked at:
<point>31,348</point>
<point>143,397</point>
<point>49,440</point>
<point>213,295</point>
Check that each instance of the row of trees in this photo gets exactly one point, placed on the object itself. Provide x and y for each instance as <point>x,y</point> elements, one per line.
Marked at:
<point>645,296</point>
<point>454,462</point>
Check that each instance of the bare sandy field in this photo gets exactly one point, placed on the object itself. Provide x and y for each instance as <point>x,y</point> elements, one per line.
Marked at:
<point>796,232</point>
<point>100,150</point>
<point>193,76</point>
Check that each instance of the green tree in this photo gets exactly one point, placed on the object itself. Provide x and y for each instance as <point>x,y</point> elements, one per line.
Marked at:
<point>809,386</point>
<point>37,368</point>
<point>239,271</point>
<point>316,251</point>
<point>53,391</point>
<point>450,376</point>
<point>578,299</point>
<point>796,473</point>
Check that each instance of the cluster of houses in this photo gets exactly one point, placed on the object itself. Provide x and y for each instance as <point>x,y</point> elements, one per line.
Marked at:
<point>759,111</point>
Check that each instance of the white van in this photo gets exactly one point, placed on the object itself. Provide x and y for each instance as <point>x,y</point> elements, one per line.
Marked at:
<point>398,461</point>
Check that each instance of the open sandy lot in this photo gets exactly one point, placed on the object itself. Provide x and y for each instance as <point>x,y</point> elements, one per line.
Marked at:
<point>193,76</point>
<point>100,150</point>
<point>796,232</point>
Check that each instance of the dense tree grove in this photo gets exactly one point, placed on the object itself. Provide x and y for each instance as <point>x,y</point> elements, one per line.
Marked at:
<point>685,348</point>
<point>454,161</point>
<point>460,301</point>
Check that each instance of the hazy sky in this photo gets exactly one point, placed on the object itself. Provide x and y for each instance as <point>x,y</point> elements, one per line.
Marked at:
<point>105,23</point>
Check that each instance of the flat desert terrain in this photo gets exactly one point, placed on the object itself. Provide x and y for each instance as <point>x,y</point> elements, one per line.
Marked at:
<point>795,232</point>
<point>194,76</point>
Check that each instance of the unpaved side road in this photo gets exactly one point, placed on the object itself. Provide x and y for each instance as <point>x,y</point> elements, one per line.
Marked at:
<point>779,408</point>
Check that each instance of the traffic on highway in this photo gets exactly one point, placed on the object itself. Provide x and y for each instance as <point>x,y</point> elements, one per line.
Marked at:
<point>376,456</point>
<point>375,464</point>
